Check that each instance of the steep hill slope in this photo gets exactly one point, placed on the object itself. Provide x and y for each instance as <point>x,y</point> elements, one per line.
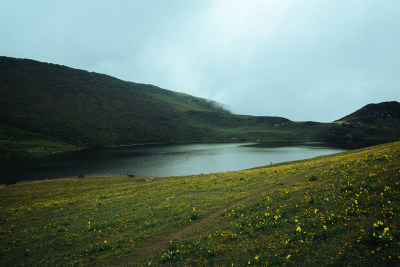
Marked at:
<point>385,111</point>
<point>380,120</point>
<point>93,109</point>
<point>89,108</point>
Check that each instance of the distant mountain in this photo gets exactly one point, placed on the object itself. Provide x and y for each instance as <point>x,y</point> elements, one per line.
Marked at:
<point>385,111</point>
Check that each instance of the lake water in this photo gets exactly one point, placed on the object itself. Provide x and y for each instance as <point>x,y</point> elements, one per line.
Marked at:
<point>159,160</point>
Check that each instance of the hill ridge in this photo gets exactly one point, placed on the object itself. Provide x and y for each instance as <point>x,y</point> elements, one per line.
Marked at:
<point>384,111</point>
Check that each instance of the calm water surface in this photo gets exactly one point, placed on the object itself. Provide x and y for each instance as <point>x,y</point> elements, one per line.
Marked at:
<point>159,160</point>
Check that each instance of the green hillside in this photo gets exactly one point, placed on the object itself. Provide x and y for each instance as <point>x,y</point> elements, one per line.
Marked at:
<point>15,142</point>
<point>47,108</point>
<point>336,210</point>
<point>90,109</point>
<point>385,111</point>
<point>380,120</point>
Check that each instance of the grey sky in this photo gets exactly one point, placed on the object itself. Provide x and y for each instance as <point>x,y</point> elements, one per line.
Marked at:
<point>300,59</point>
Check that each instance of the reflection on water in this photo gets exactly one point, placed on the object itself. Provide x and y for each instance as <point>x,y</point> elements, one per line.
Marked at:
<point>343,144</point>
<point>161,160</point>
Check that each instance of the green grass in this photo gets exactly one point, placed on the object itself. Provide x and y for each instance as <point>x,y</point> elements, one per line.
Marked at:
<point>344,211</point>
<point>15,142</point>
<point>341,209</point>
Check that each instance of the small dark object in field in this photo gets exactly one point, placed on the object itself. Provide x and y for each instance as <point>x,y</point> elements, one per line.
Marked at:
<point>194,216</point>
<point>131,175</point>
<point>311,201</point>
<point>81,176</point>
<point>312,178</point>
<point>11,183</point>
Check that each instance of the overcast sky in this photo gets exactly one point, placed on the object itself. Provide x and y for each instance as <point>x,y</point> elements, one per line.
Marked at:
<point>300,59</point>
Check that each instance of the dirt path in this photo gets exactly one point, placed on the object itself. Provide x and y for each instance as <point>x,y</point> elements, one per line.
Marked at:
<point>157,245</point>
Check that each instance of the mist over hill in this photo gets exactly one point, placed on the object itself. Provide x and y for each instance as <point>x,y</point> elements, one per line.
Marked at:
<point>48,107</point>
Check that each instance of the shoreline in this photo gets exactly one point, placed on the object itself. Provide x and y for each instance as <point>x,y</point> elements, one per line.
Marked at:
<point>327,141</point>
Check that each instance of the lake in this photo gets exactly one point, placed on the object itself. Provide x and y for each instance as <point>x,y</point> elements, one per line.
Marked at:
<point>160,160</point>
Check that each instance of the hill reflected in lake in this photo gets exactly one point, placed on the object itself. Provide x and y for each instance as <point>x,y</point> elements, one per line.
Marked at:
<point>160,160</point>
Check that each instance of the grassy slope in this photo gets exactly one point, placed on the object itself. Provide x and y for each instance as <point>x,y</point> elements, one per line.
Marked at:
<point>341,209</point>
<point>88,108</point>
<point>384,111</point>
<point>15,142</point>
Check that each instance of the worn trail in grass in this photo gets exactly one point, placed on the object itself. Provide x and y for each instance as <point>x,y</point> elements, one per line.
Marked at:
<point>343,213</point>
<point>334,209</point>
<point>156,245</point>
